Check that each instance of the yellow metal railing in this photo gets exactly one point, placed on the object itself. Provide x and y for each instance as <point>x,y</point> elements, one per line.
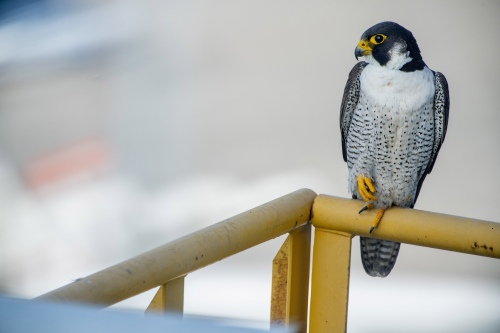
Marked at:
<point>336,221</point>
<point>167,265</point>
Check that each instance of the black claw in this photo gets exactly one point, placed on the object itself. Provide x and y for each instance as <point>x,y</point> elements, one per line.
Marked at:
<point>371,229</point>
<point>363,209</point>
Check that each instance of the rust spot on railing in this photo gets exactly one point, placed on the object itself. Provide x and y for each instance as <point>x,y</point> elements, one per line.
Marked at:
<point>476,246</point>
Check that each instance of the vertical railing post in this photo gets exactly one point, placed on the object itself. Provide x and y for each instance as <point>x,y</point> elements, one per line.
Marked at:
<point>290,285</point>
<point>330,281</point>
<point>169,298</point>
<point>298,277</point>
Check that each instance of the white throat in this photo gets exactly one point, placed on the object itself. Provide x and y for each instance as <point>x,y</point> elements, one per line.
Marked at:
<point>397,90</point>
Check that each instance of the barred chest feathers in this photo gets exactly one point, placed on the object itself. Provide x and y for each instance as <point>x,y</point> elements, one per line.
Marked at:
<point>395,114</point>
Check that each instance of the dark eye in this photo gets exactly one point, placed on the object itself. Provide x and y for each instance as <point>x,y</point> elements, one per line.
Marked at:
<point>377,39</point>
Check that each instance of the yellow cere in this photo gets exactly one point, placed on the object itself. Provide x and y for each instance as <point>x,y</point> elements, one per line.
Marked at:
<point>364,45</point>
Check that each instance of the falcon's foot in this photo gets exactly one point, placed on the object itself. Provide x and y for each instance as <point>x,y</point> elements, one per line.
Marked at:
<point>366,189</point>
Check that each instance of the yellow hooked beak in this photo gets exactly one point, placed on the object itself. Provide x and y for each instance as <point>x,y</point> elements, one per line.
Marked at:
<point>363,49</point>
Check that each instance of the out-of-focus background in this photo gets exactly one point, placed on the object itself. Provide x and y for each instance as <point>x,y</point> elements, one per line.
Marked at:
<point>126,124</point>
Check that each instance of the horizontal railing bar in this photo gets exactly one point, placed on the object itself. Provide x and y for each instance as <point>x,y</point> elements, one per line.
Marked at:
<point>410,226</point>
<point>190,252</point>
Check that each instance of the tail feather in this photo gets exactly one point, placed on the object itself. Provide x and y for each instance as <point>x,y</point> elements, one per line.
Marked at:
<point>378,256</point>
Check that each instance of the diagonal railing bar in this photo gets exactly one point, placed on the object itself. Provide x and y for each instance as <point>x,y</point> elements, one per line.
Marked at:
<point>189,253</point>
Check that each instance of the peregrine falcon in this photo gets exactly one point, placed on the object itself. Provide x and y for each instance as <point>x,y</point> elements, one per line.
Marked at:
<point>393,121</point>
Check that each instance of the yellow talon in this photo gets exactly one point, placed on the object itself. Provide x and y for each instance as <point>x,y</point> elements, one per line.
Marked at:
<point>369,183</point>
<point>377,219</point>
<point>366,189</point>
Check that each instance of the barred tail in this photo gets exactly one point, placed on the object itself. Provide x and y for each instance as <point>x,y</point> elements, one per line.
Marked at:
<point>378,256</point>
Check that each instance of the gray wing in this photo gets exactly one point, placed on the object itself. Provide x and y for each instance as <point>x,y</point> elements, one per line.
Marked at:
<point>349,102</point>
<point>441,111</point>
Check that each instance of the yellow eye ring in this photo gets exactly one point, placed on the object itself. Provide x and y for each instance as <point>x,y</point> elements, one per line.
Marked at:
<point>377,39</point>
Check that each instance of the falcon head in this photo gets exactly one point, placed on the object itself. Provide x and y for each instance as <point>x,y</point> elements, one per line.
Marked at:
<point>391,45</point>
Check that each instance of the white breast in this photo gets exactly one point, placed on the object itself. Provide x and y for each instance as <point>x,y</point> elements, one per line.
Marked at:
<point>396,90</point>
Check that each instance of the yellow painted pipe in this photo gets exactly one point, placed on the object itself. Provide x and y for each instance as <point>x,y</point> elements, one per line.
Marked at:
<point>290,284</point>
<point>189,253</point>
<point>298,278</point>
<point>330,281</point>
<point>410,226</point>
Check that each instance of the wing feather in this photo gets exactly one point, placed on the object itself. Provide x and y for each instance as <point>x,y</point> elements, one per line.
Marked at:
<point>349,102</point>
<point>441,111</point>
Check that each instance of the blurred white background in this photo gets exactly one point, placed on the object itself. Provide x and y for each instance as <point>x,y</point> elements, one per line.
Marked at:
<point>126,124</point>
